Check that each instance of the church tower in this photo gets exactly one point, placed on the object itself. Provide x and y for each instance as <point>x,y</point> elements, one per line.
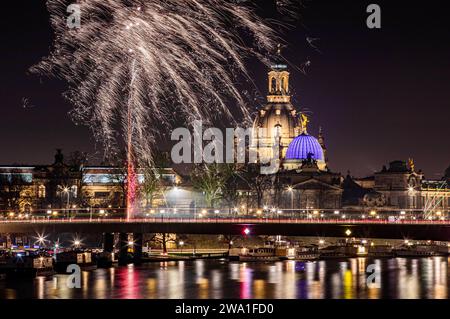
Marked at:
<point>278,117</point>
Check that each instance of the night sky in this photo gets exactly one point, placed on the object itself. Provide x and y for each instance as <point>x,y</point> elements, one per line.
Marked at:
<point>380,95</point>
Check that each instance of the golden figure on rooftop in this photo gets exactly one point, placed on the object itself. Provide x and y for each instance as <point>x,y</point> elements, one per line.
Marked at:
<point>411,164</point>
<point>304,122</point>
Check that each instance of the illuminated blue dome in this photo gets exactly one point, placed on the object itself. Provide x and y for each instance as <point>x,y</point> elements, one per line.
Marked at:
<point>303,145</point>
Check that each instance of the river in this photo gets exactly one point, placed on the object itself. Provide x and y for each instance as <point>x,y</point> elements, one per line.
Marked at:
<point>399,278</point>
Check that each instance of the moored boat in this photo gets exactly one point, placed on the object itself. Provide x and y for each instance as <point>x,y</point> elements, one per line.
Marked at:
<point>306,253</point>
<point>26,265</point>
<point>259,254</point>
<point>418,250</point>
<point>104,259</point>
<point>380,251</point>
<point>78,257</point>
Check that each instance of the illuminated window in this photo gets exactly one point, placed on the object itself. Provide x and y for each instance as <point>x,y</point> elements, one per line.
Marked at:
<point>74,190</point>
<point>274,85</point>
<point>101,194</point>
<point>27,209</point>
<point>277,130</point>
<point>41,191</point>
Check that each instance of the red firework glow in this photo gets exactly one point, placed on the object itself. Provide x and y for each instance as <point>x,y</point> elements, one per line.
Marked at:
<point>131,188</point>
<point>131,175</point>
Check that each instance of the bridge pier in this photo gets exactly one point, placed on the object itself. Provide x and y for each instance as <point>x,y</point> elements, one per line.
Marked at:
<point>108,242</point>
<point>8,241</point>
<point>106,259</point>
<point>137,256</point>
<point>123,249</point>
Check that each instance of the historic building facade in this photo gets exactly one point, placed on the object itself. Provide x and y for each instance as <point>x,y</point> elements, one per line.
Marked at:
<point>27,189</point>
<point>304,181</point>
<point>400,187</point>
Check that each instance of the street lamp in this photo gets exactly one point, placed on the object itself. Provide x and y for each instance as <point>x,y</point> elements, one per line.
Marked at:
<point>40,240</point>
<point>66,190</point>
<point>181,243</point>
<point>55,250</point>
<point>77,243</point>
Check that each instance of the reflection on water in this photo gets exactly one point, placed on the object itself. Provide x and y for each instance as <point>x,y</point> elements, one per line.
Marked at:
<point>344,279</point>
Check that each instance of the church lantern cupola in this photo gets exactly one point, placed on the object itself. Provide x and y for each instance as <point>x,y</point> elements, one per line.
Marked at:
<point>278,117</point>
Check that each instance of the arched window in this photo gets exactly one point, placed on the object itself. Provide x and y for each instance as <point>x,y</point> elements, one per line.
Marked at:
<point>27,208</point>
<point>74,191</point>
<point>41,191</point>
<point>274,85</point>
<point>283,84</point>
<point>277,131</point>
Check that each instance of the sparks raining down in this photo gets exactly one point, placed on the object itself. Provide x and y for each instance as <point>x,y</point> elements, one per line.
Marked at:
<point>311,42</point>
<point>26,104</point>
<point>132,65</point>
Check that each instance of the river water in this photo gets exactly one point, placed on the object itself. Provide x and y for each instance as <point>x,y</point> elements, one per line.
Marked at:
<point>339,279</point>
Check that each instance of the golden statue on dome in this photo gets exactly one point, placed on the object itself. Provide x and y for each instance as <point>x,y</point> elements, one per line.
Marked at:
<point>411,164</point>
<point>304,122</point>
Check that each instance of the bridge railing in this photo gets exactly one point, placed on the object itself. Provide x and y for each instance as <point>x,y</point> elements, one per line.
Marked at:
<point>231,220</point>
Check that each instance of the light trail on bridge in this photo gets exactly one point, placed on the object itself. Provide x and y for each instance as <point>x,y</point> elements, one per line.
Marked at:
<point>228,221</point>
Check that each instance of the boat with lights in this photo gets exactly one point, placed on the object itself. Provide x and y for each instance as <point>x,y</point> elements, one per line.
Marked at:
<point>78,257</point>
<point>25,264</point>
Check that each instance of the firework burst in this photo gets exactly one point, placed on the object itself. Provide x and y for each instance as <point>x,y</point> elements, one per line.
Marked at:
<point>132,65</point>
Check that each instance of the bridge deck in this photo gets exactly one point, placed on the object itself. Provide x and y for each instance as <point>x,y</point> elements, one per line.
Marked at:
<point>411,229</point>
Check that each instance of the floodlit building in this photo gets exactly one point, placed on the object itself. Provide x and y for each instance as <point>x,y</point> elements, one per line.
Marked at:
<point>303,181</point>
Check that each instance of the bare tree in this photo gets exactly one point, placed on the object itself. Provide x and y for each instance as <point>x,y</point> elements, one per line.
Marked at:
<point>153,183</point>
<point>258,183</point>
<point>12,191</point>
<point>230,192</point>
<point>162,239</point>
<point>228,239</point>
<point>77,159</point>
<point>211,180</point>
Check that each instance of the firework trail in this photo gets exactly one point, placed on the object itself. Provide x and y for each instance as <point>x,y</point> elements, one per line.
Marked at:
<point>26,104</point>
<point>153,59</point>
<point>311,42</point>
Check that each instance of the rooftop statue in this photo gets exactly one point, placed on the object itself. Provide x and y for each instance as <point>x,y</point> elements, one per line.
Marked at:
<point>304,121</point>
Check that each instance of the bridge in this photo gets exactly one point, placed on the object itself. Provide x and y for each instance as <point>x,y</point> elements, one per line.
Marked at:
<point>323,227</point>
